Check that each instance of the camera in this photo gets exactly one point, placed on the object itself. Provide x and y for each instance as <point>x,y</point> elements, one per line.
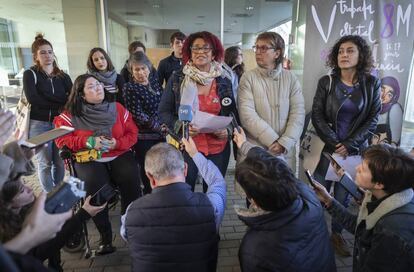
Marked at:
<point>65,195</point>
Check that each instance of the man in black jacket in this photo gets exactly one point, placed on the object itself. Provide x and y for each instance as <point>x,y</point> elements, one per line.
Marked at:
<point>286,226</point>
<point>173,62</point>
<point>174,228</point>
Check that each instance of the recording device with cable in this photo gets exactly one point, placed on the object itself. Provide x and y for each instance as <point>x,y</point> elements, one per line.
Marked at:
<point>185,115</point>
<point>171,138</point>
<point>65,195</point>
<point>234,122</point>
<point>103,195</point>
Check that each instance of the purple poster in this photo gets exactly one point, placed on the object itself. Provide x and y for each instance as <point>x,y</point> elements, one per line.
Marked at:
<point>388,27</point>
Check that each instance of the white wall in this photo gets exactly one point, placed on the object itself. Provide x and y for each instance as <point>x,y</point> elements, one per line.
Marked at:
<point>118,51</point>
<point>81,30</point>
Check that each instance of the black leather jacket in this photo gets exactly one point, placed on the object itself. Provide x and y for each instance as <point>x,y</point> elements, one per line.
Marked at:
<point>326,104</point>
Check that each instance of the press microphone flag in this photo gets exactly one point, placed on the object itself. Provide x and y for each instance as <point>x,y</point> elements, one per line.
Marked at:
<point>185,114</point>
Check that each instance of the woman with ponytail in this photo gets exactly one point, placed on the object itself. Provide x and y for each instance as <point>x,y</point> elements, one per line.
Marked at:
<point>47,89</point>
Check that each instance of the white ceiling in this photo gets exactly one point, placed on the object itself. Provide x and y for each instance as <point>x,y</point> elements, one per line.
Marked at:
<point>186,15</point>
<point>240,16</point>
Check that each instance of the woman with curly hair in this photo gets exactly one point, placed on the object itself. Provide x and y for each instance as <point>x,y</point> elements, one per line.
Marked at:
<point>203,85</point>
<point>345,113</point>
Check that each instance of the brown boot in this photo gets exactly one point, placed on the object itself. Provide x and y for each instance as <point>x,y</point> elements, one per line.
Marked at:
<point>340,245</point>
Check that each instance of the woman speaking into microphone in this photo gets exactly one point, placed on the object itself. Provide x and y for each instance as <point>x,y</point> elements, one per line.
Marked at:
<point>204,86</point>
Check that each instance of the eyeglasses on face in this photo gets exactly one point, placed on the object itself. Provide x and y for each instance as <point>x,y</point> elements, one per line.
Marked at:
<point>204,49</point>
<point>262,49</point>
<point>95,86</point>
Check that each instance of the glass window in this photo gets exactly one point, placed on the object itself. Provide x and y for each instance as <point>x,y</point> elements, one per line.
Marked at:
<point>244,20</point>
<point>153,22</point>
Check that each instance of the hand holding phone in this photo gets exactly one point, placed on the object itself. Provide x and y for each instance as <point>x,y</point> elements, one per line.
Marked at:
<point>90,209</point>
<point>311,179</point>
<point>234,122</point>
<point>319,189</point>
<point>46,137</point>
<point>103,195</point>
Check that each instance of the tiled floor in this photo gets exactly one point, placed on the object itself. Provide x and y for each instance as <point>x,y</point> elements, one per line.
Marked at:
<point>231,232</point>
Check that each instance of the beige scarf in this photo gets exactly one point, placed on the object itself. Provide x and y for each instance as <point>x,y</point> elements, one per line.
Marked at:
<point>392,202</point>
<point>189,92</point>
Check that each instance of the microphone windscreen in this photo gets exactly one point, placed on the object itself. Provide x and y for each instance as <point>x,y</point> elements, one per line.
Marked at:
<point>227,105</point>
<point>185,113</point>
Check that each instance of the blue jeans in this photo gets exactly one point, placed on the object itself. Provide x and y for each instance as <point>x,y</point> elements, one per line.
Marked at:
<point>340,194</point>
<point>50,167</point>
<point>141,148</point>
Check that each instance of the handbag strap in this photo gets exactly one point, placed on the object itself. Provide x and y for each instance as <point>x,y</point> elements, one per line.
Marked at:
<point>34,75</point>
<point>35,81</point>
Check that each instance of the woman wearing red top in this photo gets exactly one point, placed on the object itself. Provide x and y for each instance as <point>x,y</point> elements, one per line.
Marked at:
<point>107,128</point>
<point>203,79</point>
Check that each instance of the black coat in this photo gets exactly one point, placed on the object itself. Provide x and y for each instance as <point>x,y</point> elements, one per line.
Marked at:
<point>167,66</point>
<point>294,239</point>
<point>388,245</point>
<point>47,95</point>
<point>172,229</point>
<point>170,100</point>
<point>326,104</point>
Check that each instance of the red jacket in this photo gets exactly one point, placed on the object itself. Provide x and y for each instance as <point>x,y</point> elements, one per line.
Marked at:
<point>124,131</point>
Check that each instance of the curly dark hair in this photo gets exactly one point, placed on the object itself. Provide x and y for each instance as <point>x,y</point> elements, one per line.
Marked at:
<point>210,38</point>
<point>267,180</point>
<point>365,60</point>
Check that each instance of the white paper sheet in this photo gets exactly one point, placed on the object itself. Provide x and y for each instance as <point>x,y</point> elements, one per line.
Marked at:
<point>208,123</point>
<point>349,164</point>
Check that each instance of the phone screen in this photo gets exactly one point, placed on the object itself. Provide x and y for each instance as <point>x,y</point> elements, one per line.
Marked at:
<point>310,177</point>
<point>334,163</point>
<point>47,137</point>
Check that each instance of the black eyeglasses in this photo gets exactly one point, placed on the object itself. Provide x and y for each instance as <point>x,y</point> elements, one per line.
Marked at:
<point>204,49</point>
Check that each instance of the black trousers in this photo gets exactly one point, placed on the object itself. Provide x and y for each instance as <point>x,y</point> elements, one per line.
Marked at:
<point>122,172</point>
<point>221,160</point>
<point>141,148</point>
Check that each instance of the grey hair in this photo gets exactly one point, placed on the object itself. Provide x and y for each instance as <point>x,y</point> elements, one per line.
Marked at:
<point>138,58</point>
<point>163,161</point>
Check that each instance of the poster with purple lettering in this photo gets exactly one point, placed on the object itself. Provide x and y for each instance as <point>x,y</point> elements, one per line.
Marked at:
<point>388,27</point>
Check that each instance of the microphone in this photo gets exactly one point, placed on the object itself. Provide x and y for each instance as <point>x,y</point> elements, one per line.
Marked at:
<point>227,105</point>
<point>228,108</point>
<point>185,114</point>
